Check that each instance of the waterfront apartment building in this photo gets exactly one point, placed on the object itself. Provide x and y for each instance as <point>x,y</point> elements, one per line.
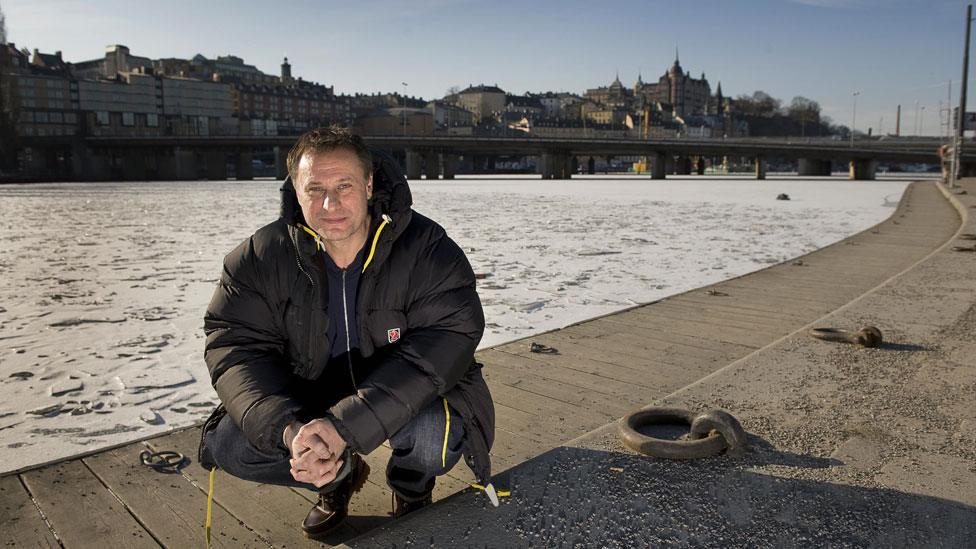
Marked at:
<point>36,99</point>
<point>206,93</point>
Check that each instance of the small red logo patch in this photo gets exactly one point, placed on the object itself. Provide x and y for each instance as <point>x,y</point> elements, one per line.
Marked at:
<point>393,335</point>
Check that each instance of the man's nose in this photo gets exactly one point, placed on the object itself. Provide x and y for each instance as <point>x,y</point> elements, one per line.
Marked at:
<point>330,201</point>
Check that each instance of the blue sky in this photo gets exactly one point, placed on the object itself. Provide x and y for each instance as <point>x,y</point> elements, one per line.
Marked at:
<point>893,52</point>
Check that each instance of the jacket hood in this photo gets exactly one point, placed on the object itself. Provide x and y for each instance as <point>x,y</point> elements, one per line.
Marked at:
<point>391,193</point>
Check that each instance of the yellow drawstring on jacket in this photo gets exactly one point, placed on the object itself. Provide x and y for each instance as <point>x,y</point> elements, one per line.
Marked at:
<point>372,249</point>
<point>376,239</point>
<point>492,494</point>
<point>213,470</point>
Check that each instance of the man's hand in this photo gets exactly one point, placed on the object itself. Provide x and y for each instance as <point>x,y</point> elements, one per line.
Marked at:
<point>316,451</point>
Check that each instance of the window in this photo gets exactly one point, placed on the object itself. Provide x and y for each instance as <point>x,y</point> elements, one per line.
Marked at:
<point>128,119</point>
<point>41,117</point>
<point>70,118</point>
<point>56,118</point>
<point>152,120</point>
<point>101,118</point>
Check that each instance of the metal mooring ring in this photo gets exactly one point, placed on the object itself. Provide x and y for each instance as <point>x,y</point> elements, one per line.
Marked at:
<point>868,336</point>
<point>166,461</point>
<point>700,446</point>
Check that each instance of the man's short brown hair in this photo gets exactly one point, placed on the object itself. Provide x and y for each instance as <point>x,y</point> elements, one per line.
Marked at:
<point>323,140</point>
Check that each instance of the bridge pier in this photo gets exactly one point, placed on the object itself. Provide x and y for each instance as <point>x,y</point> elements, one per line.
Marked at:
<point>809,167</point>
<point>432,164</point>
<point>760,163</point>
<point>450,165</point>
<point>682,166</point>
<point>96,166</point>
<point>862,169</point>
<point>78,160</point>
<point>281,163</point>
<point>134,165</point>
<point>413,167</point>
<point>700,165</point>
<point>216,165</point>
<point>243,168</point>
<point>659,165</point>
<point>591,165</point>
<point>554,166</point>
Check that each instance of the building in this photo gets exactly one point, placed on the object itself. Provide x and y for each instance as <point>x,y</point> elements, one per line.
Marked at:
<point>127,105</point>
<point>614,96</point>
<point>484,102</point>
<point>526,106</point>
<point>447,115</point>
<point>218,89</point>
<point>686,95</point>
<point>37,95</point>
<point>117,60</point>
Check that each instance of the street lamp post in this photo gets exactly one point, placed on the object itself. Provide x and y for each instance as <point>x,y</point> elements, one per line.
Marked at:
<point>921,121</point>
<point>854,116</point>
<point>915,122</point>
<point>404,108</point>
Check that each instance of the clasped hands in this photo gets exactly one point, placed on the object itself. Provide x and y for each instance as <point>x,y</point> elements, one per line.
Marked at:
<point>316,451</point>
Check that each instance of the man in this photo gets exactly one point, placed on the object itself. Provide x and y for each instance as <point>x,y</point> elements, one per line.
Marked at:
<point>349,321</point>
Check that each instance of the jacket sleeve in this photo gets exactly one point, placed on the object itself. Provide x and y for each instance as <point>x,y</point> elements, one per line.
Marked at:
<point>245,349</point>
<point>445,322</point>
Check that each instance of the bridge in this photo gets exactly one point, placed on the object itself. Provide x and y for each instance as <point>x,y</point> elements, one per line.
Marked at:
<point>207,157</point>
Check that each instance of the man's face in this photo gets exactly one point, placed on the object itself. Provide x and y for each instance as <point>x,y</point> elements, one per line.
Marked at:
<point>333,192</point>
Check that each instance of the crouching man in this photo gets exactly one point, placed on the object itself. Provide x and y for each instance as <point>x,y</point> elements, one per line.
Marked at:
<point>349,321</point>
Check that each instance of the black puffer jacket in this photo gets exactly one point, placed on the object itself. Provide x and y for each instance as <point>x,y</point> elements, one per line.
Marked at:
<point>266,328</point>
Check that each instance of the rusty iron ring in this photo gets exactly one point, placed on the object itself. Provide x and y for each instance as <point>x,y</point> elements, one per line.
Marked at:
<point>868,336</point>
<point>705,443</point>
<point>166,461</point>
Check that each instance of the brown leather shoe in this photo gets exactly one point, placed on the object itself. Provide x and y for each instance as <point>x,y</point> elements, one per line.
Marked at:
<point>403,506</point>
<point>333,507</point>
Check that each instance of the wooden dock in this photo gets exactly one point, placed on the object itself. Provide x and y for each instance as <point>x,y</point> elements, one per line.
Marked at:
<point>604,368</point>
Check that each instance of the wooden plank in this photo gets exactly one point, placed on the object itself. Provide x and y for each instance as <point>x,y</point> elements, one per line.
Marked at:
<point>554,422</point>
<point>81,510</point>
<point>595,388</point>
<point>629,340</point>
<point>597,343</point>
<point>23,525</point>
<point>522,423</point>
<point>667,360</point>
<point>741,302</point>
<point>168,505</point>
<point>711,318</point>
<point>581,355</point>
<point>514,373</point>
<point>275,512</point>
<point>704,302</point>
<point>639,323</point>
<point>788,295</point>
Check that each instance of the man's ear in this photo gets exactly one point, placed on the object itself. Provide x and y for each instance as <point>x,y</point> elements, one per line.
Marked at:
<point>369,188</point>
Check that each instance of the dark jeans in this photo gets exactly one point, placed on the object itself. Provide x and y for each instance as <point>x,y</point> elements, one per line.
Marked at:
<point>418,454</point>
